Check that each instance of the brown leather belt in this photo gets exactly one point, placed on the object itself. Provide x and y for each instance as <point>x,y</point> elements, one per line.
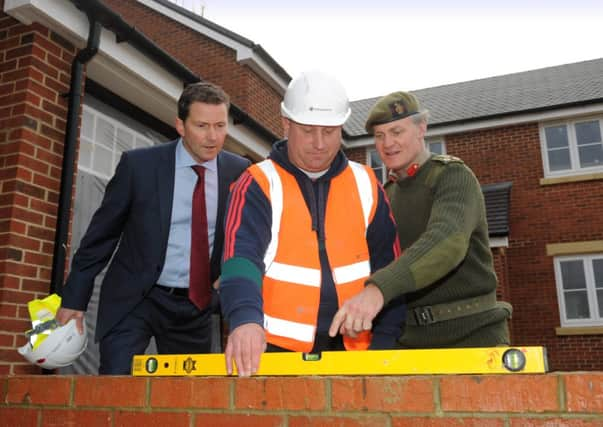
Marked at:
<point>429,314</point>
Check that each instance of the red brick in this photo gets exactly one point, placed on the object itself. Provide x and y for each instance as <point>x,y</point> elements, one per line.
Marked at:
<point>11,355</point>
<point>239,420</point>
<point>26,368</point>
<point>21,417</point>
<point>24,242</point>
<point>503,393</point>
<point>36,390</point>
<point>46,182</point>
<point>152,419</point>
<point>7,310</point>
<point>584,392</point>
<point>28,215</point>
<point>76,418</point>
<point>38,259</point>
<point>110,391</point>
<point>280,393</point>
<point>48,45</point>
<point>15,297</point>
<point>14,325</point>
<point>39,64</point>
<point>555,422</point>
<point>339,421</point>
<point>383,394</point>
<point>32,285</point>
<point>206,393</point>
<point>412,421</point>
<point>19,269</point>
<point>6,340</point>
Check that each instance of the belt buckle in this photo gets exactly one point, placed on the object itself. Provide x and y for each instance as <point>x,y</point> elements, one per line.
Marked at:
<point>424,315</point>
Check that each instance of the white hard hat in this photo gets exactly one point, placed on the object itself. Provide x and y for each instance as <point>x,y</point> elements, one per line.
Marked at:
<point>316,98</point>
<point>60,348</point>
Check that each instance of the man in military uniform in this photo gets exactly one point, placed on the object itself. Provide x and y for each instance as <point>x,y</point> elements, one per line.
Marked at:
<point>446,270</point>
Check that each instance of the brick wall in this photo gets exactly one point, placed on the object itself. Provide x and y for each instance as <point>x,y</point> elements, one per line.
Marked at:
<point>540,215</point>
<point>209,59</point>
<point>34,75</point>
<point>569,400</point>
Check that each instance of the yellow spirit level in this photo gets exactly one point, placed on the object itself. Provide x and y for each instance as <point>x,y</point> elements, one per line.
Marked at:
<point>483,360</point>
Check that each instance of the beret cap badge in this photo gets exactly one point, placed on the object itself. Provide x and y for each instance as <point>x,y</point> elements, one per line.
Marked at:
<point>397,108</point>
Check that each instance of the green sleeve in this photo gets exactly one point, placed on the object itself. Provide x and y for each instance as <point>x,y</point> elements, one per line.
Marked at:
<point>456,211</point>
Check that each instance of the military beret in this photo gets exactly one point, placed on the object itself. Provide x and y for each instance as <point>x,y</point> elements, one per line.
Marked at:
<point>394,106</point>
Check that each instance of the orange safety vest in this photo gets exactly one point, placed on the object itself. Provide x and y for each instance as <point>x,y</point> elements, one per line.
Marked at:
<point>292,276</point>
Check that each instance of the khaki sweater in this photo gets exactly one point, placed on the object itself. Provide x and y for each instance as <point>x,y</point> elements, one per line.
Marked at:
<point>446,257</point>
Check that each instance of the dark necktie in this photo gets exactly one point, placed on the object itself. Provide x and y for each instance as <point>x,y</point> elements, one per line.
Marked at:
<point>199,287</point>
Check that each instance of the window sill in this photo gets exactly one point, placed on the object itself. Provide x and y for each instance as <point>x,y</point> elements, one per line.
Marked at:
<point>579,330</point>
<point>571,178</point>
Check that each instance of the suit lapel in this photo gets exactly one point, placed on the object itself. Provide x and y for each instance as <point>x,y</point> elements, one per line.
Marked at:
<point>165,188</point>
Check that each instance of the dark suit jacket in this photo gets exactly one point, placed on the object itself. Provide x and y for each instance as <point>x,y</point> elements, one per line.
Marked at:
<point>134,216</point>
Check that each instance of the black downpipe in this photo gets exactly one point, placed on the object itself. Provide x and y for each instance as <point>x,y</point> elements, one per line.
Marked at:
<point>68,167</point>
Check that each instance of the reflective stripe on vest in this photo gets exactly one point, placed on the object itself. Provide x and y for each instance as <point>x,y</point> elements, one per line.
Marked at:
<point>292,278</point>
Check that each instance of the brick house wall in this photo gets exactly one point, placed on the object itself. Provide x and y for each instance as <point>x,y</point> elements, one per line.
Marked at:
<point>35,73</point>
<point>568,400</point>
<point>34,76</point>
<point>209,59</point>
<point>539,215</point>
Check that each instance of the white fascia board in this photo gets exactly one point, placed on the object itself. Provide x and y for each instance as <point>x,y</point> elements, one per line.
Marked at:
<point>556,114</point>
<point>561,113</point>
<point>244,136</point>
<point>244,54</point>
<point>119,67</point>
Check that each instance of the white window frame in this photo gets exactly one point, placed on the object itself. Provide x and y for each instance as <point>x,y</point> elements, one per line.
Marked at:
<point>575,168</point>
<point>430,141</point>
<point>587,260</point>
<point>139,140</point>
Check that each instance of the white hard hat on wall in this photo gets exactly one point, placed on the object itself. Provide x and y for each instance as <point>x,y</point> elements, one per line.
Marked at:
<point>316,98</point>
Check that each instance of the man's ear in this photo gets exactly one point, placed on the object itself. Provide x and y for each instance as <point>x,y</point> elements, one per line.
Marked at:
<point>180,127</point>
<point>286,125</point>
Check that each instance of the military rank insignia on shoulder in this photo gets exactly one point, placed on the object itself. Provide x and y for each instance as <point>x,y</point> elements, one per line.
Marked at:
<point>446,158</point>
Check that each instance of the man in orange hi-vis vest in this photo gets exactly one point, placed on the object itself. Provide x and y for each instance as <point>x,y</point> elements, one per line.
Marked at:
<point>304,230</point>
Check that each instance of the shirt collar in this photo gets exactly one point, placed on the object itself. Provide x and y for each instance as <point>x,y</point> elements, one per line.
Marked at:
<point>185,160</point>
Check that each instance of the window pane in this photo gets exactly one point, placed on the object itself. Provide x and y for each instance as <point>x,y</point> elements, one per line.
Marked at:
<point>559,159</point>
<point>436,147</point>
<point>576,305</point>
<point>103,161</point>
<point>600,301</point>
<point>572,274</point>
<point>375,159</point>
<point>125,140</point>
<point>85,156</point>
<point>556,137</point>
<point>87,125</point>
<point>598,273</point>
<point>105,132</point>
<point>591,155</point>
<point>588,132</point>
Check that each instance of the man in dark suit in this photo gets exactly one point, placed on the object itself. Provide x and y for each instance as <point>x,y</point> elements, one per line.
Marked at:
<point>163,210</point>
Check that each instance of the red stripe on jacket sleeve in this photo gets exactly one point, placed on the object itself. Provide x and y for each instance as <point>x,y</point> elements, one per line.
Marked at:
<point>233,219</point>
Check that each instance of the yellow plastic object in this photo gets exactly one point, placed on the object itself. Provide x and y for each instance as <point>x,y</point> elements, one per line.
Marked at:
<point>483,360</point>
<point>41,311</point>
